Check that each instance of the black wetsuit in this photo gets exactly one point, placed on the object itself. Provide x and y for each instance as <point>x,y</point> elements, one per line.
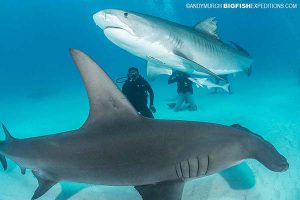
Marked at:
<point>137,93</point>
<point>184,85</point>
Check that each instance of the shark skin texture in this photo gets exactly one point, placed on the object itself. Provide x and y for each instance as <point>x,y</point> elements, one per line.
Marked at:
<point>169,46</point>
<point>155,156</point>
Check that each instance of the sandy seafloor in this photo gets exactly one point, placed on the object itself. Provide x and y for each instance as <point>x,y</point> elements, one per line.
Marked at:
<point>269,108</point>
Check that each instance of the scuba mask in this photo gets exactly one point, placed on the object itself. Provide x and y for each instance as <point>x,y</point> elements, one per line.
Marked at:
<point>133,75</point>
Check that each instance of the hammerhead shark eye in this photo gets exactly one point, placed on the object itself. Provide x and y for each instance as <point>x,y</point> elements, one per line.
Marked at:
<point>126,15</point>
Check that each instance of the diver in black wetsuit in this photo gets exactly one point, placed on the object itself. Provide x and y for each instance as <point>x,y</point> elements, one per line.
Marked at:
<point>184,90</point>
<point>136,89</point>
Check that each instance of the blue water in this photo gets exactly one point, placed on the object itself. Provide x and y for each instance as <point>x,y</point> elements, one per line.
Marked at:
<point>42,92</point>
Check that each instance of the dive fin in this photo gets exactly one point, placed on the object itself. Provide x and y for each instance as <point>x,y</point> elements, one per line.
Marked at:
<point>249,71</point>
<point>105,99</point>
<point>23,170</point>
<point>3,162</point>
<point>200,68</point>
<point>171,190</point>
<point>154,70</point>
<point>44,186</point>
<point>8,136</point>
<point>208,26</point>
<point>226,87</point>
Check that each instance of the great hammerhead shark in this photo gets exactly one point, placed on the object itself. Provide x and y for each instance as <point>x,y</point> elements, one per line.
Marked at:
<point>117,146</point>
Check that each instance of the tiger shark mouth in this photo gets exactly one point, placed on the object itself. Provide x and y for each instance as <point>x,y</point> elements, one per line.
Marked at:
<point>128,30</point>
<point>114,27</point>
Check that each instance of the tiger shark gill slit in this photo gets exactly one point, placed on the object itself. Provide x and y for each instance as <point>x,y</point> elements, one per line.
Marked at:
<point>116,146</point>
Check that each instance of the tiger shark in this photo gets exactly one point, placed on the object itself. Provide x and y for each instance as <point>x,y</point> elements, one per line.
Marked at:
<point>171,46</point>
<point>117,146</point>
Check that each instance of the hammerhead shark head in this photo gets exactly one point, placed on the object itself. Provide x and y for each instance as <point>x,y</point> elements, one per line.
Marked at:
<point>117,146</point>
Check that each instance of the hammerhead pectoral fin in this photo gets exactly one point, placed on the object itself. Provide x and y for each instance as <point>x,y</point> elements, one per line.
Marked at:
<point>3,162</point>
<point>171,190</point>
<point>200,68</point>
<point>44,185</point>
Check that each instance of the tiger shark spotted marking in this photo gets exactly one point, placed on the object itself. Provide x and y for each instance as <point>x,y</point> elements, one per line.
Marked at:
<point>170,46</point>
<point>116,146</point>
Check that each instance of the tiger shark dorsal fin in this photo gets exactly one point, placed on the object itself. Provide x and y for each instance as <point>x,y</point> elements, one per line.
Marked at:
<point>208,26</point>
<point>105,99</point>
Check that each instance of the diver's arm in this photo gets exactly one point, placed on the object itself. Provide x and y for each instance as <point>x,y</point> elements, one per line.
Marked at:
<point>151,93</point>
<point>125,89</point>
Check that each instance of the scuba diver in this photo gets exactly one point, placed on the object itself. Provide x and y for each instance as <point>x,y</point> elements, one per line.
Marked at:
<point>136,89</point>
<point>184,90</point>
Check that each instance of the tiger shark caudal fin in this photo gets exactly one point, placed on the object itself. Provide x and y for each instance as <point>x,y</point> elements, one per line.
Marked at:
<point>105,98</point>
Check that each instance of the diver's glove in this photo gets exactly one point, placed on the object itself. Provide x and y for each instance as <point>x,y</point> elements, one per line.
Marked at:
<point>152,108</point>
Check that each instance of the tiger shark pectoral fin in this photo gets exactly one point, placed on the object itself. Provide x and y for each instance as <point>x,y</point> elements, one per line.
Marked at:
<point>154,70</point>
<point>171,190</point>
<point>200,68</point>
<point>45,185</point>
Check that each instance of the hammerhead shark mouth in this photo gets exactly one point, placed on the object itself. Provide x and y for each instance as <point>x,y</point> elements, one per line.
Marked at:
<point>145,156</point>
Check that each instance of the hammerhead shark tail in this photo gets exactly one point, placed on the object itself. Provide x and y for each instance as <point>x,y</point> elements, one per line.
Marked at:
<point>3,162</point>
<point>2,158</point>
<point>8,138</point>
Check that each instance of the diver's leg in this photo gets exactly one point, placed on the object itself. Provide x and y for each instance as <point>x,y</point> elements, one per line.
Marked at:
<point>191,102</point>
<point>146,112</point>
<point>179,102</point>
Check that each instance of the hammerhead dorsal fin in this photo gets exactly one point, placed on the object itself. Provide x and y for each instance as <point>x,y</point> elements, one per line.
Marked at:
<point>105,99</point>
<point>208,26</point>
